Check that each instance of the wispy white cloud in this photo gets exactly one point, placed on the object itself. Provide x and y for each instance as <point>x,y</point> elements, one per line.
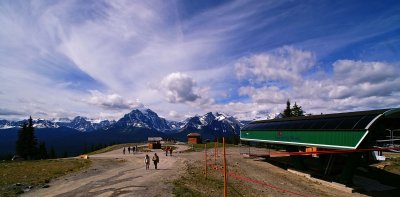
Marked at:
<point>285,64</point>
<point>112,101</point>
<point>270,95</point>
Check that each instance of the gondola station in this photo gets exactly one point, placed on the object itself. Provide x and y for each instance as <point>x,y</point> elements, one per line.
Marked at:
<point>338,143</point>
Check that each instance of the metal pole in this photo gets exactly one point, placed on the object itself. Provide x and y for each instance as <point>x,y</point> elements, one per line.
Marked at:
<point>391,136</point>
<point>225,181</point>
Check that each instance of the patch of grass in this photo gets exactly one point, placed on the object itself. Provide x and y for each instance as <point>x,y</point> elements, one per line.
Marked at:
<point>16,175</point>
<point>181,189</point>
<point>194,183</point>
<point>107,149</point>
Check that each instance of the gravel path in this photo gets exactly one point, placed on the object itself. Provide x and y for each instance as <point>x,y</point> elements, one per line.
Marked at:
<point>115,174</point>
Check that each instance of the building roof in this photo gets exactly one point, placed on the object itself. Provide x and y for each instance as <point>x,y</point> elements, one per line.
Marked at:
<point>154,139</point>
<point>340,121</point>
<point>193,135</point>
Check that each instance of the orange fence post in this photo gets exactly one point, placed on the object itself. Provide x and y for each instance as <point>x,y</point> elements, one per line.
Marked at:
<point>223,142</point>
<point>205,158</point>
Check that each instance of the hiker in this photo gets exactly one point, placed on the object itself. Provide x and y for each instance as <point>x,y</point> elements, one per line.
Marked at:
<point>133,150</point>
<point>170,151</point>
<point>147,162</point>
<point>155,160</point>
<point>123,151</point>
<point>166,151</point>
<point>129,150</point>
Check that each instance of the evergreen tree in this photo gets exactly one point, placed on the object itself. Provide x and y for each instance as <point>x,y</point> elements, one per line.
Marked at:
<point>42,151</point>
<point>288,111</point>
<point>31,140</point>
<point>297,111</point>
<point>21,142</point>
<point>26,144</point>
<point>294,111</point>
<point>53,154</point>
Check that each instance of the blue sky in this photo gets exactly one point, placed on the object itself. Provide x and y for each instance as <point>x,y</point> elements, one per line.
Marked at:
<point>101,59</point>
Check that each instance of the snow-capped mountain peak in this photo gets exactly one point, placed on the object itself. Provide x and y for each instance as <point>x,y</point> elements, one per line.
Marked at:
<point>144,118</point>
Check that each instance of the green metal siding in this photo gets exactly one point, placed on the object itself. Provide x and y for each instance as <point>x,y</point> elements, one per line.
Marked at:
<point>324,138</point>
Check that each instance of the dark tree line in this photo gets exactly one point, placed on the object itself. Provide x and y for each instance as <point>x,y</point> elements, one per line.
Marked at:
<point>293,111</point>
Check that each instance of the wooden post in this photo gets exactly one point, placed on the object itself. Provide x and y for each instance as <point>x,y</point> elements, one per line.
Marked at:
<point>225,181</point>
<point>205,158</point>
<point>215,151</point>
<point>217,147</point>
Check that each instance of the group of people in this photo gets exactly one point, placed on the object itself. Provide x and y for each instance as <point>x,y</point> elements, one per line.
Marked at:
<point>168,149</point>
<point>133,149</point>
<point>155,160</point>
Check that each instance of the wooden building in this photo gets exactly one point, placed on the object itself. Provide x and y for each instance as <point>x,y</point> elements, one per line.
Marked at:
<point>154,142</point>
<point>194,138</point>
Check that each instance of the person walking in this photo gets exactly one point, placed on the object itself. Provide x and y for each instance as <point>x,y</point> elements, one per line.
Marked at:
<point>123,151</point>
<point>170,151</point>
<point>147,162</point>
<point>166,151</point>
<point>155,159</point>
<point>129,150</point>
<point>133,150</point>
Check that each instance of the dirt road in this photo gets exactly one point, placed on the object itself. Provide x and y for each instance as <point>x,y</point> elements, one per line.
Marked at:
<point>116,174</point>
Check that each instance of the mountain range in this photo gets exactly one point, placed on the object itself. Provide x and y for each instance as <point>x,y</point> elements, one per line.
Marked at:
<point>75,134</point>
<point>137,118</point>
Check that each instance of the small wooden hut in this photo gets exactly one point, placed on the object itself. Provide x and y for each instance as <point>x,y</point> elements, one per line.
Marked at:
<point>194,138</point>
<point>154,142</point>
